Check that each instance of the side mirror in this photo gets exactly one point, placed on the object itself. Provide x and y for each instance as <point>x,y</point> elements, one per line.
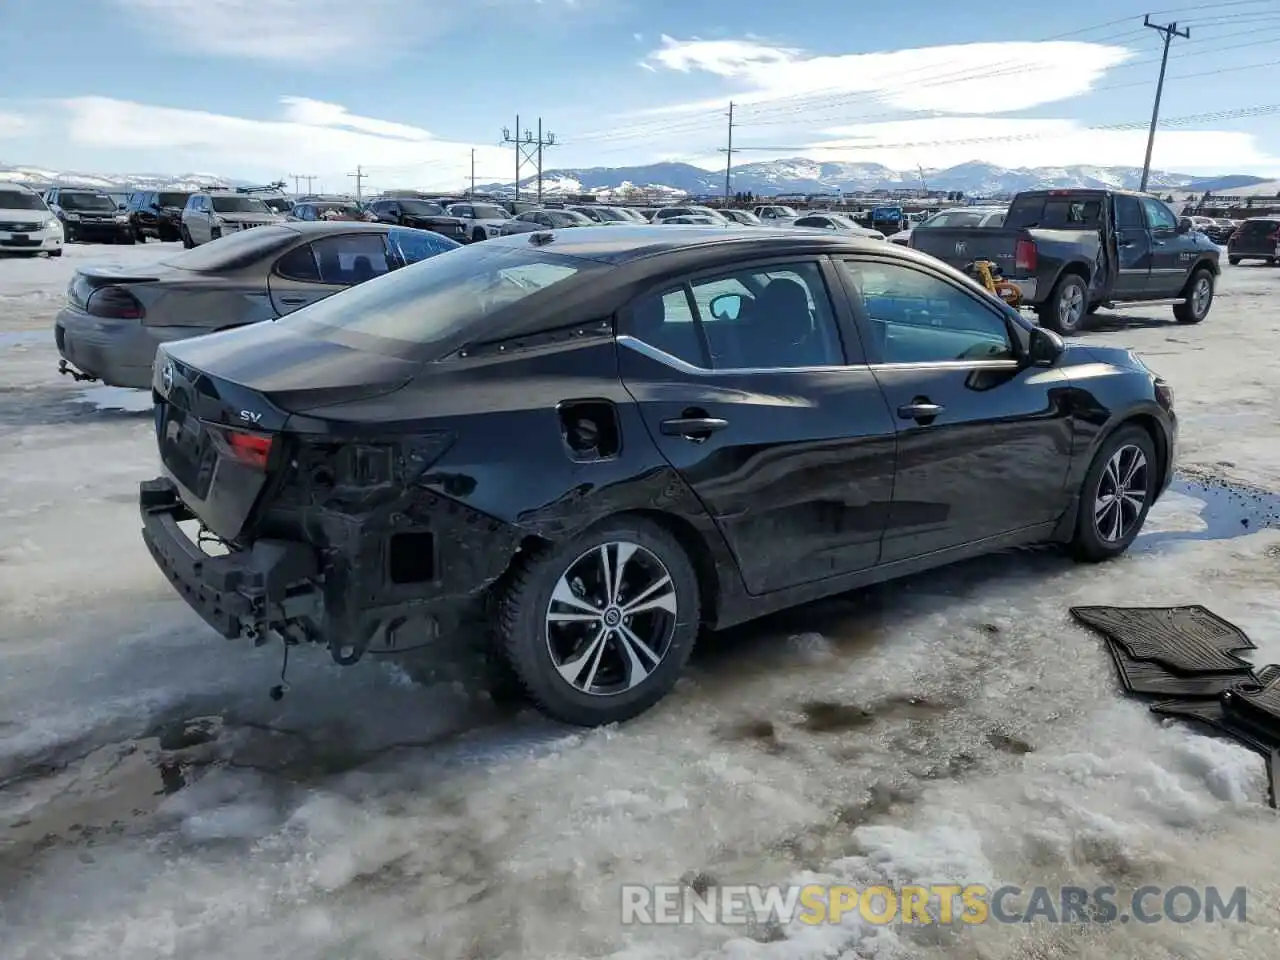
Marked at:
<point>1044,347</point>
<point>726,306</point>
<point>1184,225</point>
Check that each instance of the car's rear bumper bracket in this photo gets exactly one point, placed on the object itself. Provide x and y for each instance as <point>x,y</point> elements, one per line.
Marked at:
<point>246,593</point>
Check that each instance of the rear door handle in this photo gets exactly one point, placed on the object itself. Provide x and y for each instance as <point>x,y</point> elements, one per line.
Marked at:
<point>693,428</point>
<point>293,300</point>
<point>919,411</point>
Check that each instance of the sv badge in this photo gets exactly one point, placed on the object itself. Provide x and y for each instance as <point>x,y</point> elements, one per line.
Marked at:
<point>248,416</point>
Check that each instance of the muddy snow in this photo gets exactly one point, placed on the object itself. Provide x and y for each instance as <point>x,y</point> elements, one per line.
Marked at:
<point>956,727</point>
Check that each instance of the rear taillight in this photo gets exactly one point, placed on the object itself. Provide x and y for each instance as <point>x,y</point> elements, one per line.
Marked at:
<point>1025,256</point>
<point>116,303</point>
<point>251,449</point>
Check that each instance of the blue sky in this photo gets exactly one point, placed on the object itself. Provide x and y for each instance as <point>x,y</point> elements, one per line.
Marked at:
<point>262,89</point>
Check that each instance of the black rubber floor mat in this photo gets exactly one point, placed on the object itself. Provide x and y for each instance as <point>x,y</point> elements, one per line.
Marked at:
<point>1185,640</point>
<point>1148,678</point>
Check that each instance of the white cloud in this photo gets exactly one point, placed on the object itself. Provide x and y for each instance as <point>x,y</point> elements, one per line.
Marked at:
<point>311,137</point>
<point>304,32</point>
<point>997,77</point>
<point>14,125</point>
<point>949,141</point>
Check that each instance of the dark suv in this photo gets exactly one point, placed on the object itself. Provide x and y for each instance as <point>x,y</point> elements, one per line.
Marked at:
<point>1255,239</point>
<point>88,214</point>
<point>157,213</point>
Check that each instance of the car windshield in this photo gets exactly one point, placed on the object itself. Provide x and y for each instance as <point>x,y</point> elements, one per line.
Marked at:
<point>85,201</point>
<point>614,214</point>
<point>746,216</point>
<point>435,300</point>
<point>20,200</point>
<point>421,208</point>
<point>567,218</point>
<point>344,209</point>
<point>239,205</point>
<point>172,199</point>
<point>784,212</point>
<point>955,218</point>
<point>234,251</point>
<point>489,211</point>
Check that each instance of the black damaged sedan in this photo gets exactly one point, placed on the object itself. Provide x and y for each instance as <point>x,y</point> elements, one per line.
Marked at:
<point>600,441</point>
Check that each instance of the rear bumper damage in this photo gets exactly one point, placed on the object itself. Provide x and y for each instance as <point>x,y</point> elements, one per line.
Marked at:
<point>248,593</point>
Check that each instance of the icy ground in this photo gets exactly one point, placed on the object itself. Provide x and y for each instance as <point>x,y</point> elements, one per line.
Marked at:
<point>155,803</point>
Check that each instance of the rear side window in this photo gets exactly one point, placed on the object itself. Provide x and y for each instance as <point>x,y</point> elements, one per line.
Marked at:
<point>352,258</point>
<point>1258,228</point>
<point>414,245</point>
<point>299,264</point>
<point>441,297</point>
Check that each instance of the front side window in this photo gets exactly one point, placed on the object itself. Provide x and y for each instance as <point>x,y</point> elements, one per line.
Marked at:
<point>415,245</point>
<point>1158,215</point>
<point>916,317</point>
<point>1129,213</point>
<point>775,317</point>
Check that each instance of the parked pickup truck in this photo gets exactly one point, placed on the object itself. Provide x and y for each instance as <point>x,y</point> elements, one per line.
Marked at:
<point>1070,252</point>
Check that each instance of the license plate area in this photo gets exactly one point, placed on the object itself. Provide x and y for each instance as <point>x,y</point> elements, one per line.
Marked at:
<point>186,448</point>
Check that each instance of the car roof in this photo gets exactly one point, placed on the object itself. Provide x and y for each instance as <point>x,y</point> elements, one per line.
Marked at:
<point>14,185</point>
<point>623,244</point>
<point>309,227</point>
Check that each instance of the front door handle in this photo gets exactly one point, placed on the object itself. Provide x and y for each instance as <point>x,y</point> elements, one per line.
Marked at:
<point>293,301</point>
<point>693,428</point>
<point>919,410</point>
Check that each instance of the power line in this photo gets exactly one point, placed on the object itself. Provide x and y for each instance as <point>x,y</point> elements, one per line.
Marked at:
<point>1168,31</point>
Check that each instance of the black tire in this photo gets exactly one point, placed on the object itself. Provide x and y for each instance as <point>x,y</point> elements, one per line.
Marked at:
<point>215,234</point>
<point>186,238</point>
<point>56,253</point>
<point>478,236</point>
<point>1089,544</point>
<point>1234,261</point>
<point>128,238</point>
<point>1054,314</point>
<point>68,235</point>
<point>525,633</point>
<point>139,236</point>
<point>1196,306</point>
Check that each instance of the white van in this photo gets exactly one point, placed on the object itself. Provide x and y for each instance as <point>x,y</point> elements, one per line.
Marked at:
<point>26,223</point>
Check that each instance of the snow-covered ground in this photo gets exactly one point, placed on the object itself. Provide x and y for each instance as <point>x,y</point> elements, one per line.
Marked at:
<point>154,802</point>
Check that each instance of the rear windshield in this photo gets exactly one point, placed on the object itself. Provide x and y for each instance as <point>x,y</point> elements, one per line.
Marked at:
<point>960,218</point>
<point>1055,213</point>
<point>435,300</point>
<point>234,251</point>
<point>1256,228</point>
<point>20,200</point>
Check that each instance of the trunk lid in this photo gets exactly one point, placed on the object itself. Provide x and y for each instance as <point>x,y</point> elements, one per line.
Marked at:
<point>223,402</point>
<point>958,246</point>
<point>88,279</point>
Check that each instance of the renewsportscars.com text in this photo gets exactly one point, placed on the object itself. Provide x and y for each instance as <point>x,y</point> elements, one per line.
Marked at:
<point>933,904</point>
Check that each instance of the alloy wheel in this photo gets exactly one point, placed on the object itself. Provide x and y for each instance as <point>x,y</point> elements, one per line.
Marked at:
<point>1200,296</point>
<point>1122,494</point>
<point>1070,306</point>
<point>611,618</point>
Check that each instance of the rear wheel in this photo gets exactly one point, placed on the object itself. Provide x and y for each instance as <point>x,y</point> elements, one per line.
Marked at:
<point>1199,298</point>
<point>1116,495</point>
<point>186,238</point>
<point>1234,261</point>
<point>597,629</point>
<point>477,236</point>
<point>1065,310</point>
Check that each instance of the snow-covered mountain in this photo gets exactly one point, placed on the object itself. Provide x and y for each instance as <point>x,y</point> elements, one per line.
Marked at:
<point>766,178</point>
<point>41,177</point>
<point>801,175</point>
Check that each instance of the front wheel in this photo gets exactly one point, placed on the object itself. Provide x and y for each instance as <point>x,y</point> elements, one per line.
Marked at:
<point>1199,298</point>
<point>598,629</point>
<point>1234,261</point>
<point>1116,495</point>
<point>187,242</point>
<point>477,236</point>
<point>1065,310</point>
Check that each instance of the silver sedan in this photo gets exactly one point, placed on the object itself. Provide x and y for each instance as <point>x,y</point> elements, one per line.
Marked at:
<point>115,317</point>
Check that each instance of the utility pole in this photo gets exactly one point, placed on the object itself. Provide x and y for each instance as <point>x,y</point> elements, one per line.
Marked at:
<point>1169,31</point>
<point>309,180</point>
<point>924,186</point>
<point>359,176</point>
<point>728,162</point>
<point>297,190</point>
<point>528,150</point>
<point>472,195</point>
